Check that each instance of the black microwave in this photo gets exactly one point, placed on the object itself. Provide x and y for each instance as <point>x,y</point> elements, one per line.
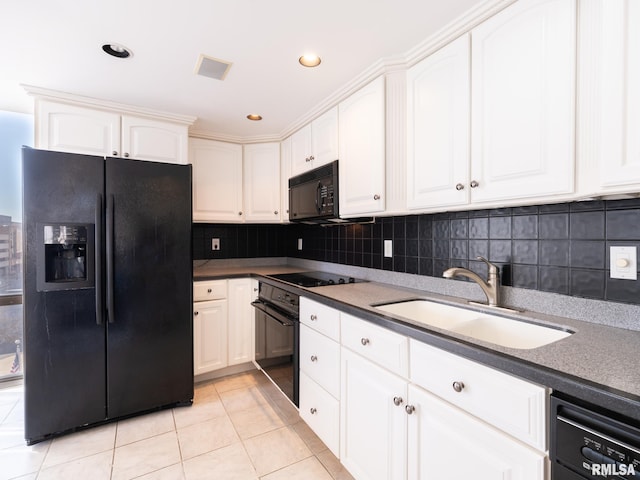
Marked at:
<point>313,195</point>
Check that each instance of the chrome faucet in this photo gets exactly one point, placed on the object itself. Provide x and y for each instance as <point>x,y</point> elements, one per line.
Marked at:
<point>491,287</point>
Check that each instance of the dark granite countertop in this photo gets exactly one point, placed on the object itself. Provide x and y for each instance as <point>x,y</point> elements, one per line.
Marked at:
<point>596,364</point>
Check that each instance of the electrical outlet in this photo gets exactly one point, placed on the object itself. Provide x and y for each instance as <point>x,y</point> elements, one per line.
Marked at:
<point>215,244</point>
<point>299,244</point>
<point>388,248</point>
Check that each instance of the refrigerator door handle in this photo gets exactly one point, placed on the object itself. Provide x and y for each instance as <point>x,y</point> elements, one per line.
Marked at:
<point>109,245</point>
<point>98,261</point>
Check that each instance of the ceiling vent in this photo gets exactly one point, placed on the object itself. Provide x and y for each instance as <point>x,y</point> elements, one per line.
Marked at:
<point>212,67</point>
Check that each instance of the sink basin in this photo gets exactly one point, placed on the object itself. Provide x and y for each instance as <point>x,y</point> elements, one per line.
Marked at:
<point>506,332</point>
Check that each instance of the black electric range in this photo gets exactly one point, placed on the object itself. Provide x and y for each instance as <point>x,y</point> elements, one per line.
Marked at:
<point>315,279</point>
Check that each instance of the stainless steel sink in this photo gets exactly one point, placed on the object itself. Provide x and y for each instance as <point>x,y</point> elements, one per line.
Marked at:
<point>507,332</point>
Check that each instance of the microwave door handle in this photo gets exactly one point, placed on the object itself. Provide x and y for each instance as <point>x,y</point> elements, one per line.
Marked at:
<point>319,197</point>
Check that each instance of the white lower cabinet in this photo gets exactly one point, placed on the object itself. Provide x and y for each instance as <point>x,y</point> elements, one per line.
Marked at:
<point>209,336</point>
<point>447,443</point>
<point>223,323</point>
<point>321,411</point>
<point>373,429</point>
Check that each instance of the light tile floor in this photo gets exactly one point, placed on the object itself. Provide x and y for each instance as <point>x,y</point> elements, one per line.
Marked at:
<point>239,427</point>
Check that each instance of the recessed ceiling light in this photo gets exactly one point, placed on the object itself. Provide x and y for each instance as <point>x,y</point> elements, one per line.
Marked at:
<point>254,116</point>
<point>116,50</point>
<point>309,60</point>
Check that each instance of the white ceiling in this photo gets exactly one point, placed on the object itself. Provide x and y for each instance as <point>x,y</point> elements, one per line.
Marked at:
<point>57,45</point>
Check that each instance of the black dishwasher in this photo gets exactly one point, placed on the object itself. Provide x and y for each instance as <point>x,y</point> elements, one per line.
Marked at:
<point>589,444</point>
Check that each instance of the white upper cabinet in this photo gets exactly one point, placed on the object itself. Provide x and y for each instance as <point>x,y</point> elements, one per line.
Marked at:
<point>362,151</point>
<point>217,180</point>
<point>285,173</point>
<point>147,139</point>
<point>262,182</point>
<point>522,102</point>
<point>438,111</point>
<point>316,144</point>
<point>76,129</point>
<point>609,103</point>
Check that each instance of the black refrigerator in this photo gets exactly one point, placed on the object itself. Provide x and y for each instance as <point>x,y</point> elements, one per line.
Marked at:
<point>107,289</point>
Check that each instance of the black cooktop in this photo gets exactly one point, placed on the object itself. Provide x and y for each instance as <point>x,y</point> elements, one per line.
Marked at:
<point>315,279</point>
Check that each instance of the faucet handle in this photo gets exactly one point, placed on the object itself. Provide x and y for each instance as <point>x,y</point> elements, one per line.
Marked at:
<point>493,269</point>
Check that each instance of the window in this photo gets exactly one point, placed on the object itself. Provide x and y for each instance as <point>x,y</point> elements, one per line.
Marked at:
<point>16,130</point>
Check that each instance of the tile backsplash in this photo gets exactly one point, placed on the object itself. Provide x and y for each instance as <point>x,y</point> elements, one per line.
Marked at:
<point>559,248</point>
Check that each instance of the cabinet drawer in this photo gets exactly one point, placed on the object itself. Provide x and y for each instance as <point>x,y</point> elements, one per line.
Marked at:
<point>509,403</point>
<point>210,290</point>
<point>320,359</point>
<point>320,317</point>
<point>378,344</point>
<point>321,412</point>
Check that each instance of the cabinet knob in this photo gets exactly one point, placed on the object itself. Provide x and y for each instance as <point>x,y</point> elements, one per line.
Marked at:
<point>208,290</point>
<point>126,155</point>
<point>313,318</point>
<point>114,153</point>
<point>459,186</point>
<point>314,358</point>
<point>239,213</point>
<point>307,159</point>
<point>458,386</point>
<point>364,341</point>
<point>376,197</point>
<point>196,313</point>
<point>311,158</point>
<point>473,184</point>
<point>397,401</point>
<point>409,409</point>
<point>275,212</point>
<point>313,411</point>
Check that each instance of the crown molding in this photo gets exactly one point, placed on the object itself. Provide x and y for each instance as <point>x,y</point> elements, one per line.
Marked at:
<point>81,101</point>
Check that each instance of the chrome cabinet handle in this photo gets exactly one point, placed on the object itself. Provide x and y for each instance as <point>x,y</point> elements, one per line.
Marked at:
<point>313,318</point>
<point>314,358</point>
<point>313,411</point>
<point>312,158</point>
<point>376,197</point>
<point>276,212</point>
<point>239,213</point>
<point>364,341</point>
<point>474,184</point>
<point>409,409</point>
<point>126,155</point>
<point>114,153</point>
<point>459,186</point>
<point>208,290</point>
<point>196,313</point>
<point>397,401</point>
<point>458,386</point>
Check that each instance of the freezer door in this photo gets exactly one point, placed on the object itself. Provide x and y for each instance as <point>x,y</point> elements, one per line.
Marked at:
<point>64,341</point>
<point>149,277</point>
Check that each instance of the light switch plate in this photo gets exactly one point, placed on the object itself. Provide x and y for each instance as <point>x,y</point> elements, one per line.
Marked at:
<point>299,244</point>
<point>215,244</point>
<point>388,248</point>
<point>624,263</point>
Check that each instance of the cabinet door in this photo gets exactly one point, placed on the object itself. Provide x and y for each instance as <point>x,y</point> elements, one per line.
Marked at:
<point>217,180</point>
<point>361,121</point>
<point>320,359</point>
<point>285,174</point>
<point>373,429</point>
<point>209,336</point>
<point>439,109</point>
<point>146,139</point>
<point>620,101</point>
<point>522,95</point>
<point>301,150</point>
<point>324,138</point>
<point>240,321</point>
<point>262,182</point>
<point>67,128</point>
<point>445,442</point>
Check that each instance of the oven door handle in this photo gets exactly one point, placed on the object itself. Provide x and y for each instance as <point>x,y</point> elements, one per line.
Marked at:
<point>273,313</point>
